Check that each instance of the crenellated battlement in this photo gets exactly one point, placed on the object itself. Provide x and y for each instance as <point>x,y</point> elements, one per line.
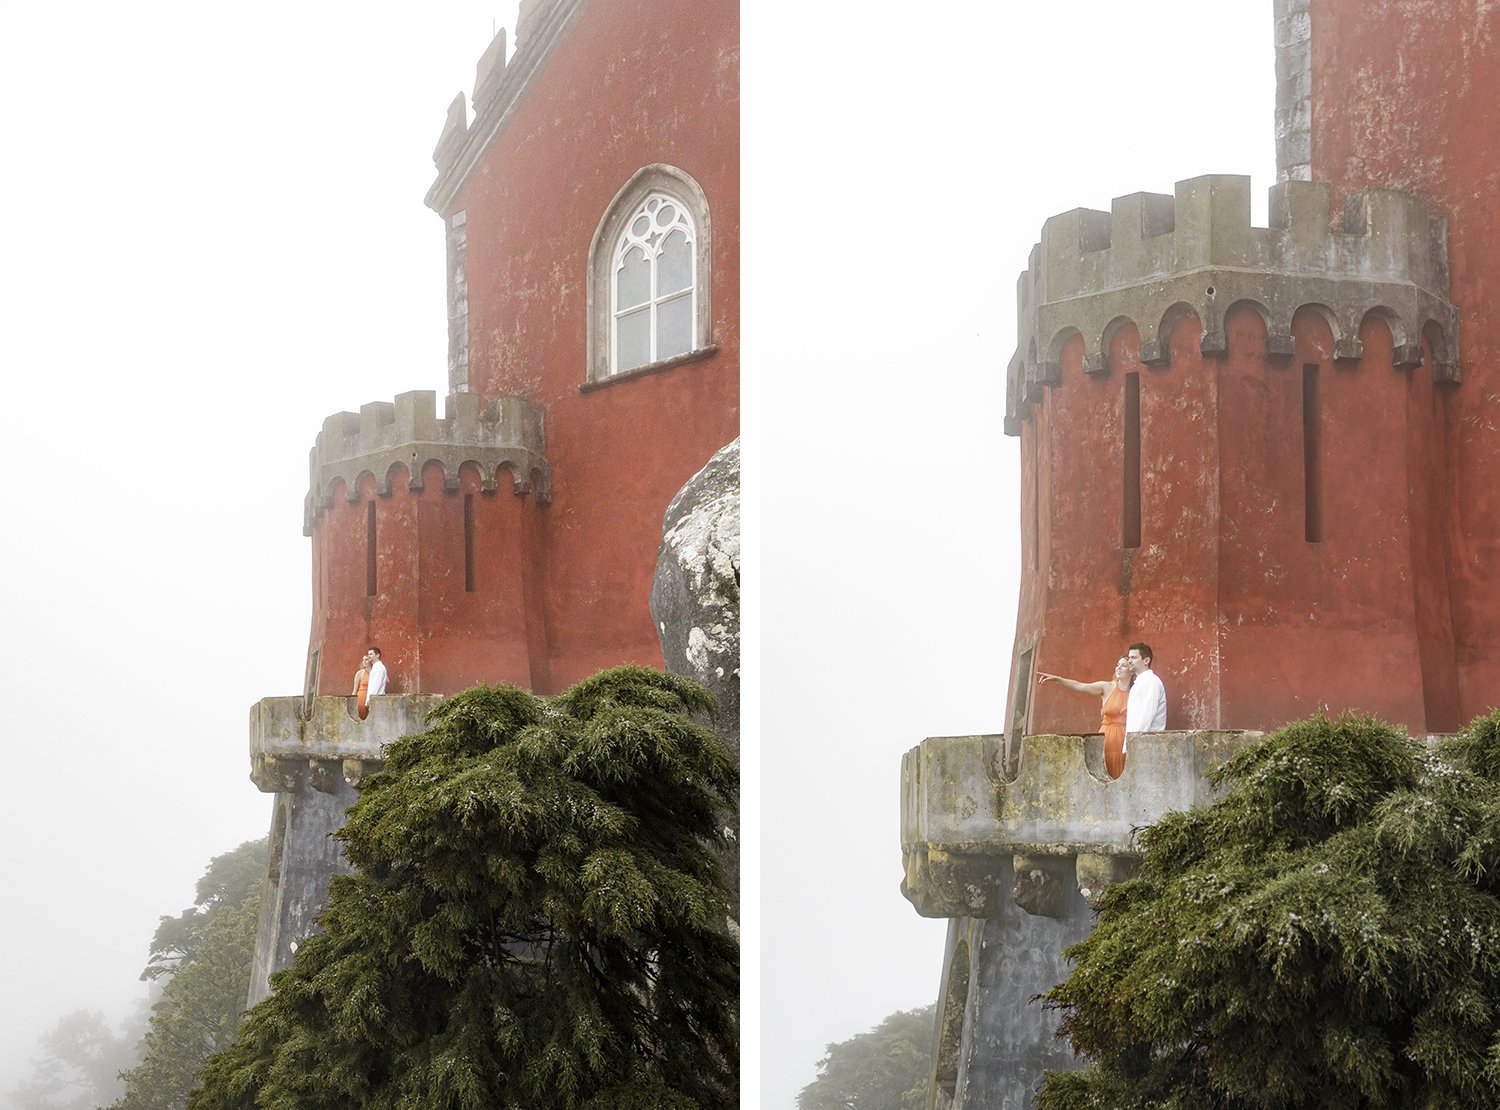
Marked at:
<point>1153,257</point>
<point>499,85</point>
<point>962,824</point>
<point>501,433</point>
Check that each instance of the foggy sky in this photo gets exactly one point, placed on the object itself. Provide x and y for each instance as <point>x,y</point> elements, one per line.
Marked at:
<point>211,237</point>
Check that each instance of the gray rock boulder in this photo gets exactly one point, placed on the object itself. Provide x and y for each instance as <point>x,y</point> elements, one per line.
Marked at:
<point>695,595</point>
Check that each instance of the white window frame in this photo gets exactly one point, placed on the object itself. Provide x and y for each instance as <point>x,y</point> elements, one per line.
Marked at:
<point>611,239</point>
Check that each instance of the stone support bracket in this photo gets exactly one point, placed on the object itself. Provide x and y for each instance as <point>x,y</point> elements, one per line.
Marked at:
<point>290,752</point>
<point>1061,819</point>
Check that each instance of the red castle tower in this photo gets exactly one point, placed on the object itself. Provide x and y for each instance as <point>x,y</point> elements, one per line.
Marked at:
<point>592,225</point>
<point>1267,452</point>
<point>591,208</point>
<point>1235,447</point>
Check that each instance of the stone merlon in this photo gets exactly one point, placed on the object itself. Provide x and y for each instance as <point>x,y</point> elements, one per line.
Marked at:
<point>288,750</point>
<point>958,819</point>
<point>498,87</point>
<point>500,433</point>
<point>1152,257</point>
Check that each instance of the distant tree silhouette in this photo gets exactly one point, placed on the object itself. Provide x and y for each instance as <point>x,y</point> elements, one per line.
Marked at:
<point>887,1068</point>
<point>204,956</point>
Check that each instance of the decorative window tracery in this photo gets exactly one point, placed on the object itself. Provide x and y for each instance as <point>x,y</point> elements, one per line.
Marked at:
<point>654,285</point>
<point>649,275</point>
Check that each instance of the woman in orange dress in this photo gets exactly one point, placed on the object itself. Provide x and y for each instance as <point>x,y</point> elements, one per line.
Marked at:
<point>362,686</point>
<point>1115,697</point>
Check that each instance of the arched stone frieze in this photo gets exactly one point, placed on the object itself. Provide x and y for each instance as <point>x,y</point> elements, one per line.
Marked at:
<point>502,434</point>
<point>1153,258</point>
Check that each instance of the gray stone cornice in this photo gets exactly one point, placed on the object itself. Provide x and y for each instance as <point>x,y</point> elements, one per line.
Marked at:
<point>501,433</point>
<point>1154,257</point>
<point>461,145</point>
<point>290,751</point>
<point>958,818</point>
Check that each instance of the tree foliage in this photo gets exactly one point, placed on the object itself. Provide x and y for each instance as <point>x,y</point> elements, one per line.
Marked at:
<point>886,1068</point>
<point>205,955</point>
<point>80,1059</point>
<point>1325,934</point>
<point>227,882</point>
<point>538,919</point>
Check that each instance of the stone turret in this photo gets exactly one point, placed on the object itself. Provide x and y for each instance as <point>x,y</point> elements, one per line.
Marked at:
<point>1233,444</point>
<point>425,542</point>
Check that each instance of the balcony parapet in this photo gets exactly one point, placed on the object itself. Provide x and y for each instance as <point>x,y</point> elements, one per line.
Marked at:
<point>290,752</point>
<point>960,823</point>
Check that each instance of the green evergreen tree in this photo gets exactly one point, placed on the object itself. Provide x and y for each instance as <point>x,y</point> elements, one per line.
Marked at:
<point>78,1066</point>
<point>538,919</point>
<point>205,955</point>
<point>1325,934</point>
<point>887,1068</point>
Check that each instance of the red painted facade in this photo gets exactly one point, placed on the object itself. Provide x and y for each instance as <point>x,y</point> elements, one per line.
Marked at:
<point>1426,120</point>
<point>1252,624</point>
<point>547,585</point>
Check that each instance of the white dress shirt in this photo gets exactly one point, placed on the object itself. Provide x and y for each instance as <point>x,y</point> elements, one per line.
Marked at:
<point>1146,711</point>
<point>377,680</point>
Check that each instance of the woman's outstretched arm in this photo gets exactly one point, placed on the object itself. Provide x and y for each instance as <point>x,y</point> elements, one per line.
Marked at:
<point>1097,688</point>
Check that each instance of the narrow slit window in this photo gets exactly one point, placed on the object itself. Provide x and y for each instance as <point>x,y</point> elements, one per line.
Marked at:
<point>1036,508</point>
<point>1312,457</point>
<point>1132,529</point>
<point>469,542</point>
<point>370,548</point>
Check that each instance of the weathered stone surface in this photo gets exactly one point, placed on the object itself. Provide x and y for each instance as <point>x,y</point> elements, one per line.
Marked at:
<point>1053,838</point>
<point>314,765</point>
<point>993,970</point>
<point>1040,886</point>
<point>1152,256</point>
<point>1060,803</point>
<point>304,858</point>
<point>284,743</point>
<point>695,597</point>
<point>949,884</point>
<point>503,433</point>
<point>1096,872</point>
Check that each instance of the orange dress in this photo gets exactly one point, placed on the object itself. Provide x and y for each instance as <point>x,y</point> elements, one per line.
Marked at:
<point>362,692</point>
<point>1113,727</point>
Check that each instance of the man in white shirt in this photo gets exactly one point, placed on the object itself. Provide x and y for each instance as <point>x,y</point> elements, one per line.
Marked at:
<point>1146,711</point>
<point>378,675</point>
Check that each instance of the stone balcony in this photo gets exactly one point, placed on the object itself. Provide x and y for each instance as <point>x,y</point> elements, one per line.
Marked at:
<point>1059,819</point>
<point>292,748</point>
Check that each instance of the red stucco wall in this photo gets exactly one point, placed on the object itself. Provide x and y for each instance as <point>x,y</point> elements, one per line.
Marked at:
<point>1427,119</point>
<point>1253,625</point>
<point>562,588</point>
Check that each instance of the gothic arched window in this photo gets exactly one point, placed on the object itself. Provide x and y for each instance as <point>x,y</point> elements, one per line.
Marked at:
<point>648,291</point>
<point>653,285</point>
